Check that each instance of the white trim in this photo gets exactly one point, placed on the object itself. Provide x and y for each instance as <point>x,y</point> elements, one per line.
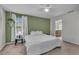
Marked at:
<point>25,25</point>
<point>2,28</point>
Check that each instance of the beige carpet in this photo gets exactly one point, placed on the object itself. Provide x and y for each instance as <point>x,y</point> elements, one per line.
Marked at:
<point>19,49</point>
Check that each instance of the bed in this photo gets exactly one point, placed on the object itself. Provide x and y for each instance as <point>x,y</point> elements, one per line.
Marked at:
<point>41,43</point>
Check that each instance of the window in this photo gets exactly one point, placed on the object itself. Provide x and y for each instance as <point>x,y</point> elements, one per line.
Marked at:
<point>19,25</point>
<point>58,24</point>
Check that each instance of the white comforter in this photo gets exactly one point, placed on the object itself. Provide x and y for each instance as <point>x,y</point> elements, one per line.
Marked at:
<point>38,44</point>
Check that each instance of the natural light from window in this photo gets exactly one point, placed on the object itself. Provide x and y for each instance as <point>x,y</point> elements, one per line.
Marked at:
<point>19,26</point>
<point>58,24</point>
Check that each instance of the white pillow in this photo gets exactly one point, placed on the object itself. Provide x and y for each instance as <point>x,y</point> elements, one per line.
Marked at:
<point>39,32</point>
<point>33,32</point>
<point>36,32</point>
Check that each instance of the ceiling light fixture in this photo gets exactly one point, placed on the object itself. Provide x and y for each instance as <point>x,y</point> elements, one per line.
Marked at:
<point>46,10</point>
<point>45,7</point>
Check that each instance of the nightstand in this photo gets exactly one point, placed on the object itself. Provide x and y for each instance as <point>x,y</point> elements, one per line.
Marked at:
<point>19,38</point>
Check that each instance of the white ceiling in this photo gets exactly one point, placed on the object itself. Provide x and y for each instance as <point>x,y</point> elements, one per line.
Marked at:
<point>35,10</point>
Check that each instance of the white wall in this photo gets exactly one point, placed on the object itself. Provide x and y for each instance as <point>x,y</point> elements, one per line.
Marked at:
<point>2,27</point>
<point>70,31</point>
<point>52,25</point>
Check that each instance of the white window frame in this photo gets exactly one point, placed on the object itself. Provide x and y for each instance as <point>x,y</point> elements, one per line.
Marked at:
<point>58,24</point>
<point>20,25</point>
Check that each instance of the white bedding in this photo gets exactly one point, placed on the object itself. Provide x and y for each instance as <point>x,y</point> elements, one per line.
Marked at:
<point>38,44</point>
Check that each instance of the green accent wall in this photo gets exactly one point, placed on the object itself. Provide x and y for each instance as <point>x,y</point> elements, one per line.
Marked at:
<point>34,24</point>
<point>38,24</point>
<point>8,28</point>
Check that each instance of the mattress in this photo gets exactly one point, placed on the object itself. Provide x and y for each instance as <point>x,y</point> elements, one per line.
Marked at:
<point>35,39</point>
<point>38,44</point>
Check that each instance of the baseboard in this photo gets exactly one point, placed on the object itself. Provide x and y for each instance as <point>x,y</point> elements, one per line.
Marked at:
<point>12,42</point>
<point>1,47</point>
<point>71,42</point>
